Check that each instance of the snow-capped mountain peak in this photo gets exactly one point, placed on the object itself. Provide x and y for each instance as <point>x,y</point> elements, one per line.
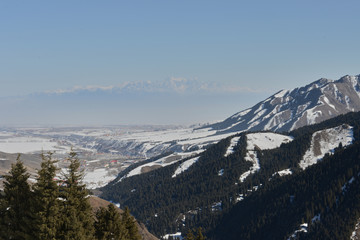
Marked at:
<point>290,109</point>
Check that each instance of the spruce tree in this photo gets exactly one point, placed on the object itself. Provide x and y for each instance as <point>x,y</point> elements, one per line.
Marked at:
<point>109,224</point>
<point>101,224</point>
<point>47,204</point>
<point>18,199</point>
<point>76,213</point>
<point>130,225</point>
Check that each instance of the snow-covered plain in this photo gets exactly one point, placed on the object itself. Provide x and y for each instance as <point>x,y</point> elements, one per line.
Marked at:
<point>262,141</point>
<point>13,144</point>
<point>325,141</point>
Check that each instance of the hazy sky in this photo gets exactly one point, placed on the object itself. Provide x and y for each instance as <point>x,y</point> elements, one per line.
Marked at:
<point>253,45</point>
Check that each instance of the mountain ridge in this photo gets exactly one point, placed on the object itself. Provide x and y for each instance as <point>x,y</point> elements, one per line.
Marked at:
<point>290,109</point>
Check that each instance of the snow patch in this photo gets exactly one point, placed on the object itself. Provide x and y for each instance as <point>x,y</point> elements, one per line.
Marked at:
<point>283,172</point>
<point>162,162</point>
<point>325,141</point>
<point>317,218</point>
<point>354,235</point>
<point>233,143</point>
<point>239,198</point>
<point>262,141</point>
<point>346,185</point>
<point>185,166</point>
<point>216,206</point>
<point>266,140</point>
<point>303,228</point>
<point>176,236</point>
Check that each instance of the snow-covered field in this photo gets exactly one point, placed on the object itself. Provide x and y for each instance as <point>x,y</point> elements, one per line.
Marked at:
<point>262,141</point>
<point>325,141</point>
<point>37,140</point>
<point>13,144</point>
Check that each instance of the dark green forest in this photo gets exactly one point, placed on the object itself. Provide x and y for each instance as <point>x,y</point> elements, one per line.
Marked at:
<point>274,211</point>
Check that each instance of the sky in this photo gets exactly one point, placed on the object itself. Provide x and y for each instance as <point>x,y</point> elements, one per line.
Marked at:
<point>249,49</point>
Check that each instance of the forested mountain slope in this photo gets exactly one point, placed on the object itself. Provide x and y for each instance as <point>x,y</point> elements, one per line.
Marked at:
<point>325,198</point>
<point>214,193</point>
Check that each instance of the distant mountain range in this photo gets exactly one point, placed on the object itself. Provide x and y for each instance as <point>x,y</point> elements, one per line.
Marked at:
<point>131,103</point>
<point>173,84</point>
<point>291,109</point>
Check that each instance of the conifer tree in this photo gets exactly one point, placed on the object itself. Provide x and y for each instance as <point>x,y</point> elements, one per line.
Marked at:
<point>77,219</point>
<point>109,224</point>
<point>101,224</point>
<point>47,204</point>
<point>130,225</point>
<point>19,212</point>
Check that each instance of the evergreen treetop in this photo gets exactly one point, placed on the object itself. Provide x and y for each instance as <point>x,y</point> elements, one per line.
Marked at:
<point>77,219</point>
<point>19,214</point>
<point>47,205</point>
